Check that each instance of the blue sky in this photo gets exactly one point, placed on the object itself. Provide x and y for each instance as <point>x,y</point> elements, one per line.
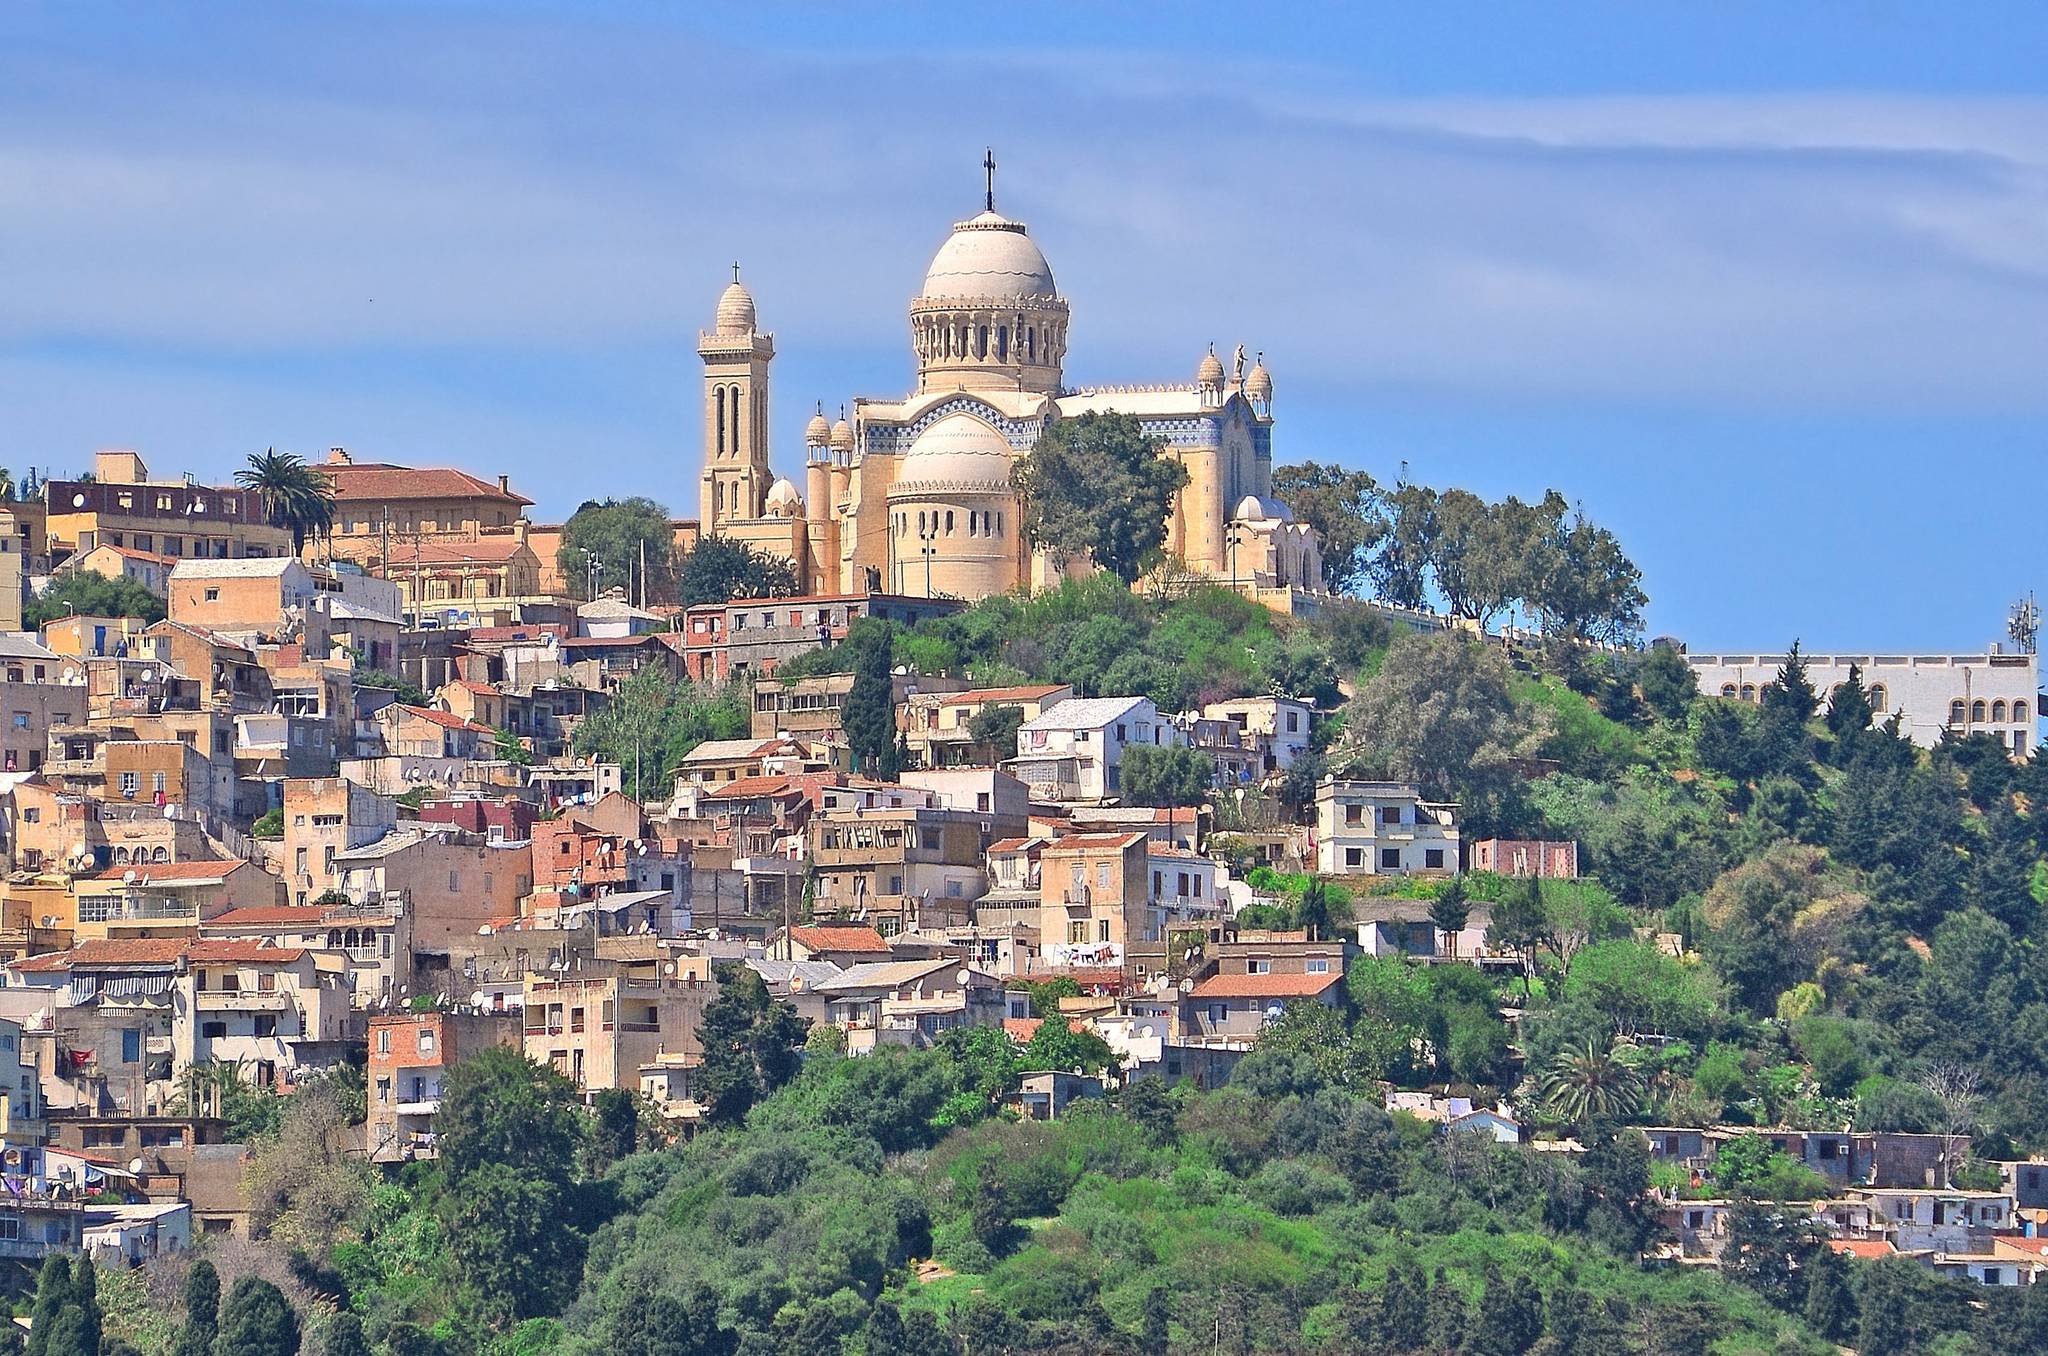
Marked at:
<point>1763,286</point>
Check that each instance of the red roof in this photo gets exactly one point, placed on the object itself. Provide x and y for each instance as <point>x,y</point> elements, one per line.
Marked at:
<point>1861,1247</point>
<point>267,915</point>
<point>829,938</point>
<point>444,719</point>
<point>488,550</point>
<point>979,696</point>
<point>1022,1029</point>
<point>159,951</point>
<point>172,871</point>
<point>1077,841</point>
<point>1014,845</point>
<point>745,788</point>
<point>375,480</point>
<point>1265,986</point>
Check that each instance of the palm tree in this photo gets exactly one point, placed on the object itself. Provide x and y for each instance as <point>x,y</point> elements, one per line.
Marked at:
<point>297,497</point>
<point>1589,1084</point>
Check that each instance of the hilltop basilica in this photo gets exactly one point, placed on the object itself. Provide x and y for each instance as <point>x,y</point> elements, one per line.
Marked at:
<point>915,496</point>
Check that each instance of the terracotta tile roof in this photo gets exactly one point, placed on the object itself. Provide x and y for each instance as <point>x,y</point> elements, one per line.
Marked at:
<point>267,915</point>
<point>225,950</point>
<point>468,685</point>
<point>153,557</point>
<point>1861,1247</point>
<point>1074,842</point>
<point>108,951</point>
<point>746,788</point>
<point>172,871</point>
<point>124,951</point>
<point>446,720</point>
<point>372,480</point>
<point>1014,845</point>
<point>1022,1029</point>
<point>486,550</point>
<point>829,938</point>
<point>979,696</point>
<point>1265,986</point>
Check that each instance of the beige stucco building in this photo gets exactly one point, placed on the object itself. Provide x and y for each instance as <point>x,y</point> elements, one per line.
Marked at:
<point>917,495</point>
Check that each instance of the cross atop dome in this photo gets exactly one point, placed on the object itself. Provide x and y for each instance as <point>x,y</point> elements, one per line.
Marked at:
<point>988,168</point>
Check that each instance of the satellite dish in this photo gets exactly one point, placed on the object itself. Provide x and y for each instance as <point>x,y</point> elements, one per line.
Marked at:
<point>135,1166</point>
<point>198,506</point>
<point>668,967</point>
<point>961,978</point>
<point>78,500</point>
<point>128,878</point>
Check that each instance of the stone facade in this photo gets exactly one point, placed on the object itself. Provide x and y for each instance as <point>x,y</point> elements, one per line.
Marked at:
<point>916,495</point>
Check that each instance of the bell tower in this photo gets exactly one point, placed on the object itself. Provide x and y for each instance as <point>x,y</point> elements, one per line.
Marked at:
<point>736,359</point>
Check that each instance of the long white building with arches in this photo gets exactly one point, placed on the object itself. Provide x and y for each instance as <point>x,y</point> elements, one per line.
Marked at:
<point>1991,693</point>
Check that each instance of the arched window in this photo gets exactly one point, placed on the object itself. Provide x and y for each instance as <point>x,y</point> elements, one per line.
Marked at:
<point>1957,713</point>
<point>334,937</point>
<point>999,523</point>
<point>1998,712</point>
<point>739,441</point>
<point>1748,692</point>
<point>981,342</point>
<point>120,856</point>
<point>161,854</point>
<point>719,399</point>
<point>1727,689</point>
<point>1002,343</point>
<point>920,522</point>
<point>1879,698</point>
<point>1977,711</point>
<point>1031,343</point>
<point>949,522</point>
<point>2019,710</point>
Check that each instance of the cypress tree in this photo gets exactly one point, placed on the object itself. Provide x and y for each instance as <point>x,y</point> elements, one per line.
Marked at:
<point>1404,1310</point>
<point>257,1321</point>
<point>85,1292</point>
<point>53,1292</point>
<point>1830,1307</point>
<point>202,1310</point>
<point>1446,1315</point>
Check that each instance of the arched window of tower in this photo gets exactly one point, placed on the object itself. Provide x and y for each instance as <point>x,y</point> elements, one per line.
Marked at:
<point>719,397</point>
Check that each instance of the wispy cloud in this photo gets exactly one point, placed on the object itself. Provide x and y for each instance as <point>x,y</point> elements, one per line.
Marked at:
<point>454,182</point>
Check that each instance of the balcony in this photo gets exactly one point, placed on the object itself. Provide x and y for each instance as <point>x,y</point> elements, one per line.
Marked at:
<point>241,1000</point>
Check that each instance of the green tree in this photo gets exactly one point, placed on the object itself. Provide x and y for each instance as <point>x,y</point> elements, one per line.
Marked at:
<point>297,497</point>
<point>1098,487</point>
<point>1165,776</point>
<point>995,728</point>
<point>518,1255</point>
<point>256,1320</point>
<point>1449,912</point>
<point>1849,709</point>
<point>1439,714</point>
<point>499,1107</point>
<point>202,1310</point>
<point>628,539</point>
<point>869,713</point>
<point>1520,925</point>
<point>1344,508</point>
<point>53,1293</point>
<point>343,1336</point>
<point>615,1127</point>
<point>78,592</point>
<point>1589,1084</point>
<point>652,722</point>
<point>1830,1302</point>
<point>720,569</point>
<point>750,1044</point>
<point>1667,683</point>
<point>1590,589</point>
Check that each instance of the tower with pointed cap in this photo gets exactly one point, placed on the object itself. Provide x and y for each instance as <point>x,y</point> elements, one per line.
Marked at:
<point>736,358</point>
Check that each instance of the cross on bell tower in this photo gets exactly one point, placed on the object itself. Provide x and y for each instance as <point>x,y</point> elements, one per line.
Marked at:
<point>988,166</point>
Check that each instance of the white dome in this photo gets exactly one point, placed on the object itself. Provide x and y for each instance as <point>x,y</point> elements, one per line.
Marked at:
<point>959,452</point>
<point>989,258</point>
<point>1259,385</point>
<point>1252,509</point>
<point>735,313</point>
<point>782,495</point>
